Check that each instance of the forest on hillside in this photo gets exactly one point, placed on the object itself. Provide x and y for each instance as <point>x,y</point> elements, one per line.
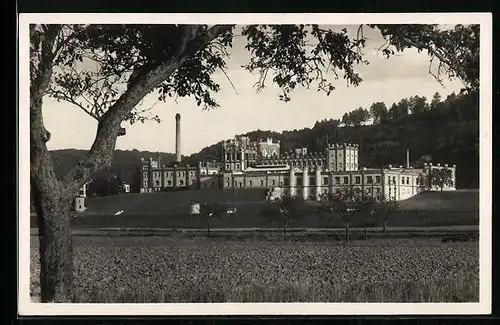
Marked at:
<point>440,130</point>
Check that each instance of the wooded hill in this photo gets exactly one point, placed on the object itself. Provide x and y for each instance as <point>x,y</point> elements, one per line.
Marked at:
<point>445,131</point>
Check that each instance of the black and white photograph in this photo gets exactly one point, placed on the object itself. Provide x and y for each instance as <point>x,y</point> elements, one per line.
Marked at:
<point>285,164</point>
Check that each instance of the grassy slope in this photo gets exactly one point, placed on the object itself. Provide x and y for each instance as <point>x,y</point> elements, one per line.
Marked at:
<point>463,200</point>
<point>170,210</point>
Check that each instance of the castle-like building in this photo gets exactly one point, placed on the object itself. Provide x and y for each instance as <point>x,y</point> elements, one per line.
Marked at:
<point>260,164</point>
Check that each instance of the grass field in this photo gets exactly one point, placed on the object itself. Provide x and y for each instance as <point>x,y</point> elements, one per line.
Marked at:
<point>160,269</point>
<point>464,200</point>
<point>169,210</point>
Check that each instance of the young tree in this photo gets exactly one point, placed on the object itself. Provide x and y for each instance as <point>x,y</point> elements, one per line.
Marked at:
<point>367,208</point>
<point>343,203</point>
<point>385,209</point>
<point>106,70</point>
<point>212,211</point>
<point>441,177</point>
<point>284,210</point>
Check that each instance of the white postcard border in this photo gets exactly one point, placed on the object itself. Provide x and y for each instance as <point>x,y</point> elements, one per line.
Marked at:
<point>26,307</point>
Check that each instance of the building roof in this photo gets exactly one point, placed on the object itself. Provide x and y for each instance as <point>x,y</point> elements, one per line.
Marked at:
<point>272,168</point>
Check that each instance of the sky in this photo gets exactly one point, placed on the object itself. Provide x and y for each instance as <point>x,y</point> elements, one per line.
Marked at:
<point>242,110</point>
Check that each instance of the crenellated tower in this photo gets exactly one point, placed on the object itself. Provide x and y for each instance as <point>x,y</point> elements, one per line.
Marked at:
<point>342,157</point>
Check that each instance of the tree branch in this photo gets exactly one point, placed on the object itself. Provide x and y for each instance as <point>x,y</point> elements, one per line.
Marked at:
<point>421,46</point>
<point>99,156</point>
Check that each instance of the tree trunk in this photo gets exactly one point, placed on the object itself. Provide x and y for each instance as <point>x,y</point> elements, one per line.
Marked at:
<point>208,227</point>
<point>56,250</point>
<point>52,202</point>
<point>346,239</point>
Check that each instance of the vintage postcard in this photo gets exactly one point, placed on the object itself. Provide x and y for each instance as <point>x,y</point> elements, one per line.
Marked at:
<point>250,164</point>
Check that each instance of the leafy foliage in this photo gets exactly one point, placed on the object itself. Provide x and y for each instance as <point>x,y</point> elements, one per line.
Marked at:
<point>441,177</point>
<point>456,50</point>
<point>300,55</point>
<point>284,210</point>
<point>106,59</point>
<point>356,117</point>
<point>96,63</point>
<point>344,202</point>
<point>385,210</point>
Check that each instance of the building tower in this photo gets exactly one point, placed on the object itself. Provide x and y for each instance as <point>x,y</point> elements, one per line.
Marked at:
<point>234,153</point>
<point>178,156</point>
<point>342,157</point>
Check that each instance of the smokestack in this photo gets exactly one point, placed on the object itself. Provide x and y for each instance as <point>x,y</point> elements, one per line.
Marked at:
<point>178,138</point>
<point>407,158</point>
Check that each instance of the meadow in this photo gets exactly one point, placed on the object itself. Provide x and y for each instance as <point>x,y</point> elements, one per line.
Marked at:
<point>168,269</point>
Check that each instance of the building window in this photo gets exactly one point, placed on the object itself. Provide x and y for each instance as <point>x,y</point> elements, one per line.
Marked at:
<point>312,181</point>
<point>346,180</point>
<point>273,182</point>
<point>157,183</point>
<point>228,157</point>
<point>228,183</point>
<point>325,180</point>
<point>227,166</point>
<point>417,181</point>
<point>369,179</point>
<point>407,180</point>
<point>377,179</point>
<point>394,179</point>
<point>261,183</point>
<point>249,183</point>
<point>241,184</point>
<point>377,190</point>
<point>337,180</point>
<point>358,179</point>
<point>169,182</point>
<point>237,166</point>
<point>181,182</point>
<point>192,181</point>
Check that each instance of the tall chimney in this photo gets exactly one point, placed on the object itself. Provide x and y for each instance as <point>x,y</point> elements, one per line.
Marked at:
<point>407,158</point>
<point>178,138</point>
